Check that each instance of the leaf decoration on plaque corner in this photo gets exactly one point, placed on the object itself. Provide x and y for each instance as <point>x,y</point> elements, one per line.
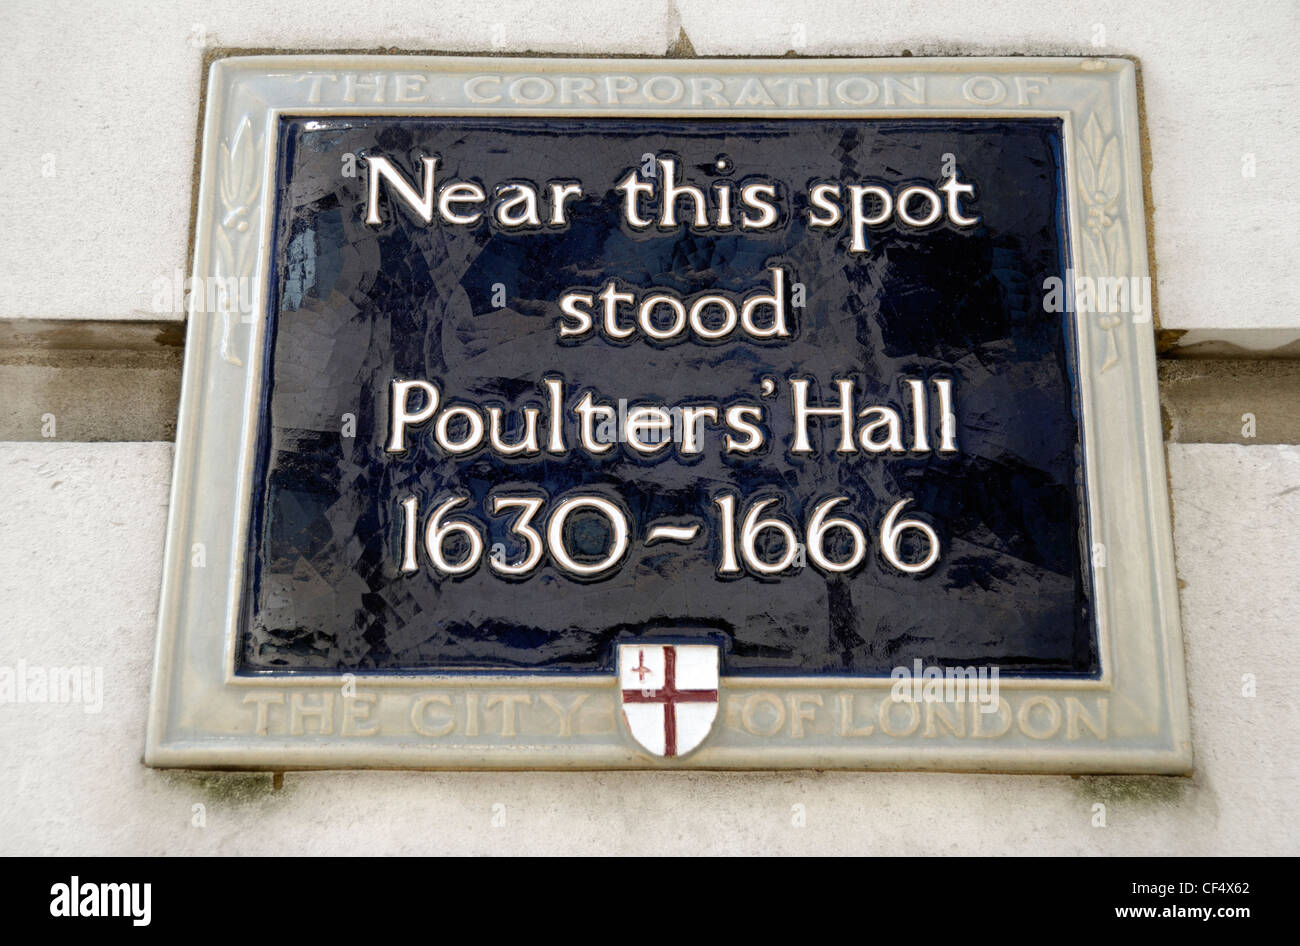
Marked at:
<point>232,268</point>
<point>1105,243</point>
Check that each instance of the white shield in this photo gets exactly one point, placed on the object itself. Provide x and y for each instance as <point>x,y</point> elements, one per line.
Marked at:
<point>670,694</point>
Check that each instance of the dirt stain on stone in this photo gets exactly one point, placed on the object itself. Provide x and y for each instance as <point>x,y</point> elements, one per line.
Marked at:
<point>1133,790</point>
<point>228,789</point>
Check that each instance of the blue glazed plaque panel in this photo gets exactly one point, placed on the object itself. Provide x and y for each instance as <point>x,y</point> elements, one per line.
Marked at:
<point>474,311</point>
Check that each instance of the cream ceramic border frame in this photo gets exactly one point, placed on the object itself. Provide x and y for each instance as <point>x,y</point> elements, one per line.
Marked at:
<point>1132,719</point>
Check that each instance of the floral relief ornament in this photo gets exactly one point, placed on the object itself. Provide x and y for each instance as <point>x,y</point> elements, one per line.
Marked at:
<point>236,195</point>
<point>1105,245</point>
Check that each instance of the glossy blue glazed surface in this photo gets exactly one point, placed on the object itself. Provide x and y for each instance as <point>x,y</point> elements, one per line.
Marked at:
<point>355,306</point>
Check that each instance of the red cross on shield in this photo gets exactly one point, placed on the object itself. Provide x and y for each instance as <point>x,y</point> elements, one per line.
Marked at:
<point>670,694</point>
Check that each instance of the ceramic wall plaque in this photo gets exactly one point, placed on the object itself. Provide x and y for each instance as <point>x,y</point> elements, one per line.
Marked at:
<point>716,414</point>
